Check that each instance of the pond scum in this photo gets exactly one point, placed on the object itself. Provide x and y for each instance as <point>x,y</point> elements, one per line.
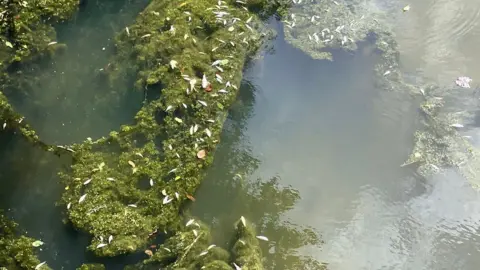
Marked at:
<point>131,186</point>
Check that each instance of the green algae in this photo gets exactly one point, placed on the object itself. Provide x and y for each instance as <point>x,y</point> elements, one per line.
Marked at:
<point>160,147</point>
<point>91,266</point>
<point>16,251</point>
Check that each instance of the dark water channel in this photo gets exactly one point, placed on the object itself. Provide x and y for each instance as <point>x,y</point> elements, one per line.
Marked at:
<point>320,128</point>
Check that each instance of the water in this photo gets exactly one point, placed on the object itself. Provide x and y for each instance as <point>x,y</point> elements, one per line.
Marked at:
<point>319,127</point>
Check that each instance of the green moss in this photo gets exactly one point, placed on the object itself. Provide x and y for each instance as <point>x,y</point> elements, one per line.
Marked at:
<point>119,200</point>
<point>16,252</point>
<point>92,266</point>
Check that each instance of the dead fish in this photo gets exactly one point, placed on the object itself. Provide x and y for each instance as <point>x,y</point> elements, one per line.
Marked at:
<point>167,249</point>
<point>191,130</point>
<point>167,199</point>
<point>131,164</point>
<point>146,35</point>
<point>40,265</point>
<point>170,147</point>
<point>203,103</point>
<point>87,181</point>
<point>82,198</point>
<point>69,205</point>
<point>386,73</point>
<point>178,120</point>
<point>261,237</point>
<point>205,82</point>
<point>237,267</point>
<point>110,238</point>
<point>177,195</point>
<point>101,245</point>
<point>244,222</point>
<point>192,84</point>
<point>132,205</point>
<point>190,222</point>
<point>203,253</point>
<point>195,128</point>
<point>195,233</point>
<point>172,170</point>
<point>219,78</point>
<point>164,192</point>
<point>151,182</point>
<point>406,8</point>
<point>457,125</point>
<point>209,133</point>
<point>110,179</point>
<point>128,31</point>
<point>223,91</point>
<point>4,125</point>
<point>52,43</point>
<point>211,246</point>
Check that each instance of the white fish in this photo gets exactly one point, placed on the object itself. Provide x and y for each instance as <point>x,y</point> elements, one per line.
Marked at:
<point>69,205</point>
<point>191,130</point>
<point>195,128</point>
<point>219,78</point>
<point>190,222</point>
<point>211,120</point>
<point>40,265</point>
<point>164,192</point>
<point>195,233</point>
<point>82,198</point>
<point>223,91</point>
<point>110,179</point>
<point>170,147</point>
<point>133,205</point>
<point>52,43</point>
<point>167,249</point>
<point>211,246</point>
<point>237,267</point>
<point>203,253</point>
<point>192,84</point>
<point>244,222</point>
<point>386,73</point>
<point>4,125</point>
<point>110,238</point>
<point>204,81</point>
<point>177,195</point>
<point>203,103</point>
<point>151,182</point>
<point>457,125</point>
<point>249,19</point>
<point>128,31</point>
<point>101,245</point>
<point>261,237</point>
<point>242,242</point>
<point>209,133</point>
<point>88,181</point>
<point>167,199</point>
<point>172,170</point>
<point>169,107</point>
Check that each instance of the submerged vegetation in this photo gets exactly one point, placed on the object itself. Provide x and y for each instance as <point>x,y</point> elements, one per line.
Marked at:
<point>131,188</point>
<point>17,252</point>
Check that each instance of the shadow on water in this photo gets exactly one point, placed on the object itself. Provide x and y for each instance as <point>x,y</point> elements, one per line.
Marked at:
<point>69,98</point>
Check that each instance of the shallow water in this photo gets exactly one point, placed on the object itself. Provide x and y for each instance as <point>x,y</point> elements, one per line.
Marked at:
<point>320,127</point>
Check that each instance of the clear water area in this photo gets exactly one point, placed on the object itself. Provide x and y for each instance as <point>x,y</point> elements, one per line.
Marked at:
<point>324,129</point>
<point>69,98</point>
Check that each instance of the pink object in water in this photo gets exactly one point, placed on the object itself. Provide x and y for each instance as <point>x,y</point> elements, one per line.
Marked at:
<point>463,82</point>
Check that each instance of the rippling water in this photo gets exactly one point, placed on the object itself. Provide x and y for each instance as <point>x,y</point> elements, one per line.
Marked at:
<point>438,38</point>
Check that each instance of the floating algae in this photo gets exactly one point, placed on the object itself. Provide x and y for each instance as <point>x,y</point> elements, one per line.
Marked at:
<point>17,252</point>
<point>195,35</point>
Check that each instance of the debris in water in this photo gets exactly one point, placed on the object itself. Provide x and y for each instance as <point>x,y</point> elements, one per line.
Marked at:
<point>463,81</point>
<point>37,243</point>
<point>173,64</point>
<point>149,253</point>
<point>201,154</point>
<point>406,8</point>
<point>190,197</point>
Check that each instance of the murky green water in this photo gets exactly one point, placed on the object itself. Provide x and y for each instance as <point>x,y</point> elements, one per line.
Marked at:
<point>321,128</point>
